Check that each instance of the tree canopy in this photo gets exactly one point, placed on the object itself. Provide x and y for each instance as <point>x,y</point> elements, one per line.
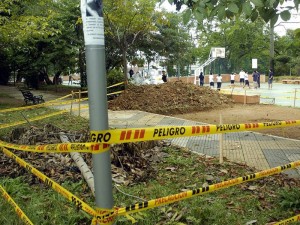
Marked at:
<point>252,9</point>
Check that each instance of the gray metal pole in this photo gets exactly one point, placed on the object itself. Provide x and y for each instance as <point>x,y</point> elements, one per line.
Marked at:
<point>93,27</point>
<point>96,77</point>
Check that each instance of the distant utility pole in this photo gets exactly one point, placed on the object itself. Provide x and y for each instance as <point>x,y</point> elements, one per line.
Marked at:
<point>272,52</point>
<point>93,27</point>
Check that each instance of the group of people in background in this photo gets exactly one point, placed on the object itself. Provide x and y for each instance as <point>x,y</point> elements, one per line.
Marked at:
<point>212,82</point>
<point>244,79</point>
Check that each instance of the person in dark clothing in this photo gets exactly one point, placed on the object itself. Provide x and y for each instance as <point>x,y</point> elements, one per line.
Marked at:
<point>131,73</point>
<point>164,76</point>
<point>270,80</point>
<point>258,79</point>
<point>254,75</point>
<point>201,77</point>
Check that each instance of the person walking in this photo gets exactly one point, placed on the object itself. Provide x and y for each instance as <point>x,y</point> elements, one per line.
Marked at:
<point>164,76</point>
<point>219,82</point>
<point>258,79</point>
<point>242,78</point>
<point>232,77</point>
<point>201,78</point>
<point>131,72</point>
<point>270,80</point>
<point>70,79</point>
<point>246,80</point>
<point>254,77</point>
<point>211,80</point>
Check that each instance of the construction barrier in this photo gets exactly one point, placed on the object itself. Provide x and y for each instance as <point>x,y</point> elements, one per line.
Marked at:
<point>117,92</point>
<point>141,206</point>
<point>200,191</point>
<point>80,205</point>
<point>2,126</point>
<point>50,103</point>
<point>18,210</point>
<point>114,85</point>
<point>59,148</point>
<point>106,137</point>
<point>166,132</point>
<point>288,221</point>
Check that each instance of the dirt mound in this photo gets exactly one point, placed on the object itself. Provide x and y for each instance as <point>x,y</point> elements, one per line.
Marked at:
<point>169,98</point>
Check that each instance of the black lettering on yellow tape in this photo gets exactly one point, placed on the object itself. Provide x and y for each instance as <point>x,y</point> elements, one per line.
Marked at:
<point>101,137</point>
<point>158,133</point>
<point>228,127</point>
<point>165,132</point>
<point>289,220</point>
<point>191,193</point>
<point>64,148</point>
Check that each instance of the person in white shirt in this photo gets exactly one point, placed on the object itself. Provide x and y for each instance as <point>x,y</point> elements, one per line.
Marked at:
<point>232,76</point>
<point>211,80</point>
<point>242,77</point>
<point>247,80</point>
<point>219,82</point>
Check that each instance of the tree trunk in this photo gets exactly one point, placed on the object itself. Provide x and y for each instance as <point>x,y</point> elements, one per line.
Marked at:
<point>272,46</point>
<point>81,65</point>
<point>124,65</point>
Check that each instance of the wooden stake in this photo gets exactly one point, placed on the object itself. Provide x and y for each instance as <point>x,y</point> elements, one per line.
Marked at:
<point>221,142</point>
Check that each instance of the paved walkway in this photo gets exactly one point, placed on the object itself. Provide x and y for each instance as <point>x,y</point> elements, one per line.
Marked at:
<point>254,149</point>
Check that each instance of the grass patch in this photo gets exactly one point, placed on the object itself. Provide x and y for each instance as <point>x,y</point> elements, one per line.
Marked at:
<point>61,88</point>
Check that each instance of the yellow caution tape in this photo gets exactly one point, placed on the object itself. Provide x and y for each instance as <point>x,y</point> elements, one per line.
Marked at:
<point>63,148</point>
<point>289,220</point>
<point>39,117</point>
<point>104,216</point>
<point>115,84</point>
<point>61,98</point>
<point>34,106</point>
<point>19,211</point>
<point>117,92</point>
<point>159,133</point>
<point>31,120</point>
<point>200,191</point>
<point>43,105</point>
<point>80,205</point>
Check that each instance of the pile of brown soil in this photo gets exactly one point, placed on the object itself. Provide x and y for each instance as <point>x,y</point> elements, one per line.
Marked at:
<point>169,98</point>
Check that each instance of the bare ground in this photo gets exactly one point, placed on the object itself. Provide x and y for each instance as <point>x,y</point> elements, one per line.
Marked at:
<point>239,113</point>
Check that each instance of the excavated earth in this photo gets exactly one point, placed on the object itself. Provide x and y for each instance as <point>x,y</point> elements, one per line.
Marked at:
<point>169,98</point>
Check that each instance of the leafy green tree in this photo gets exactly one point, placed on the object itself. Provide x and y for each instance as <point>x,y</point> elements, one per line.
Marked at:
<point>126,23</point>
<point>47,38</point>
<point>287,54</point>
<point>242,41</point>
<point>268,10</point>
<point>252,9</point>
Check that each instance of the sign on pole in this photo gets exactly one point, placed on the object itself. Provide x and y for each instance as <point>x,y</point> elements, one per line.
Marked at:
<point>93,24</point>
<point>254,63</point>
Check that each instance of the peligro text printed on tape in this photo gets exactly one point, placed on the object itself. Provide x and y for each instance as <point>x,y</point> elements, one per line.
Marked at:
<point>158,133</point>
<point>63,148</point>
